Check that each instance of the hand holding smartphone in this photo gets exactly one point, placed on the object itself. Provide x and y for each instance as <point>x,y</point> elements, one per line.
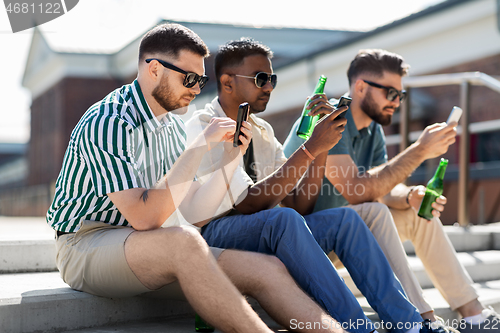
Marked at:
<point>455,114</point>
<point>343,101</point>
<point>242,116</point>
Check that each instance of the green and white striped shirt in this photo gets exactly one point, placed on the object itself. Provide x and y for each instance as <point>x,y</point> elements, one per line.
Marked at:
<point>118,144</point>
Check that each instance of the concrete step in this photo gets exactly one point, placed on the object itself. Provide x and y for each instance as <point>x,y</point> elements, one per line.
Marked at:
<point>26,245</point>
<point>473,238</point>
<point>27,256</point>
<point>42,302</point>
<point>32,302</point>
<point>179,324</point>
<point>482,266</point>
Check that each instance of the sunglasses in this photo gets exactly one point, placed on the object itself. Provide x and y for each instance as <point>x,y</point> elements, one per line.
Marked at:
<point>392,93</point>
<point>261,79</point>
<point>190,78</point>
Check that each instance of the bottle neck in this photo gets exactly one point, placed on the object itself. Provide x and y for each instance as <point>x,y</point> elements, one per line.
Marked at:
<point>320,87</point>
<point>441,171</point>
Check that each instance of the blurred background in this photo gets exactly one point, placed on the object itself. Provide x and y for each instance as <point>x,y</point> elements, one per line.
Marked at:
<point>54,72</point>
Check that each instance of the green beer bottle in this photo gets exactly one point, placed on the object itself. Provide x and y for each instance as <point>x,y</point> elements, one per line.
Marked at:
<point>201,326</point>
<point>307,123</point>
<point>433,191</point>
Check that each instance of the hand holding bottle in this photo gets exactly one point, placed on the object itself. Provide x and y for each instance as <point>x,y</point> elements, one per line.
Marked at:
<point>327,133</point>
<point>416,195</point>
<point>433,191</point>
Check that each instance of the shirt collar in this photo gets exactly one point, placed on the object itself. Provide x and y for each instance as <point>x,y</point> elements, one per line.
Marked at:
<point>351,125</point>
<point>353,130</point>
<point>148,119</point>
<point>219,112</point>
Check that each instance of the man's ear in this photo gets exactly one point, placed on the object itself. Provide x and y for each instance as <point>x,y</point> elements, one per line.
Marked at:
<point>359,87</point>
<point>226,83</point>
<point>153,70</point>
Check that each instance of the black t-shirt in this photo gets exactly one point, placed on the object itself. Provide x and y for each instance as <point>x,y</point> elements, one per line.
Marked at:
<point>248,161</point>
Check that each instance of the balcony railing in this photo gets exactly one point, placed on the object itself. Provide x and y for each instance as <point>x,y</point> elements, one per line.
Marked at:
<point>464,80</point>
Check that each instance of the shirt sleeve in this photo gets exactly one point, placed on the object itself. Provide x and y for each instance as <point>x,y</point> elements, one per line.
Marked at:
<point>292,142</point>
<point>106,146</point>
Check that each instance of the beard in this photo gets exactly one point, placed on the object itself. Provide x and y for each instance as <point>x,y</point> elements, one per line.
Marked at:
<point>370,108</point>
<point>163,96</point>
<point>259,106</point>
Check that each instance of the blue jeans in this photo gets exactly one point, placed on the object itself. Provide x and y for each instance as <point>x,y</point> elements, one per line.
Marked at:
<point>283,232</point>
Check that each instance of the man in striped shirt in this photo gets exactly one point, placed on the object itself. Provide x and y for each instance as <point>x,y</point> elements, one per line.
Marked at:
<point>127,170</point>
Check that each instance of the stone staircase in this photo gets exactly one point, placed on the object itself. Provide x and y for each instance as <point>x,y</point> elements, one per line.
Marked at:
<point>33,298</point>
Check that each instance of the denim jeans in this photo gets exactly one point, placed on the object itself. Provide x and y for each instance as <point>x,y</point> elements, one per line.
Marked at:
<point>302,248</point>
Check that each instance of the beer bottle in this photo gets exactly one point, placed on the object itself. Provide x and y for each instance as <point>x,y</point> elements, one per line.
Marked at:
<point>307,123</point>
<point>201,326</point>
<point>433,191</point>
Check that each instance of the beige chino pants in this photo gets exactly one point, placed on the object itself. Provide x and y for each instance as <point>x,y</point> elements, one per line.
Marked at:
<point>391,227</point>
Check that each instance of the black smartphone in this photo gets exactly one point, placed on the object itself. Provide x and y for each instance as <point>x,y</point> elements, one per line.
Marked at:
<point>343,101</point>
<point>242,116</point>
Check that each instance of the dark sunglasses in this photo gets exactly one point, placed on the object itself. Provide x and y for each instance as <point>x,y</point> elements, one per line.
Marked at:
<point>189,80</point>
<point>262,78</point>
<point>392,93</point>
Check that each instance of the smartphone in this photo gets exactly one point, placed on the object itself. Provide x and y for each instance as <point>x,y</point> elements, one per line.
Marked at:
<point>455,114</point>
<point>242,116</point>
<point>343,101</point>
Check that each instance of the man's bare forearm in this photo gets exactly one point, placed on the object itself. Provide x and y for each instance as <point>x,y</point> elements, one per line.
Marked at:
<point>379,181</point>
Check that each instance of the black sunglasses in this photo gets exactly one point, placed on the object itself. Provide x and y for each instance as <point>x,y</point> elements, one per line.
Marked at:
<point>262,78</point>
<point>392,93</point>
<point>189,80</point>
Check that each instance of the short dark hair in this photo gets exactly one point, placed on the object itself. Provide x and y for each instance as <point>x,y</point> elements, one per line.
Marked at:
<point>170,39</point>
<point>234,52</point>
<point>376,62</point>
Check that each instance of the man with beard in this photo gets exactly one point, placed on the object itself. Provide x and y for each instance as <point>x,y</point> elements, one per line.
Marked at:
<point>127,173</point>
<point>248,220</point>
<point>359,175</point>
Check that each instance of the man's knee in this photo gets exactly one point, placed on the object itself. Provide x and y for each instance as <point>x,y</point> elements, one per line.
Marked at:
<point>375,213</point>
<point>183,240</point>
<point>273,264</point>
<point>350,214</point>
<point>377,209</point>
<point>287,218</point>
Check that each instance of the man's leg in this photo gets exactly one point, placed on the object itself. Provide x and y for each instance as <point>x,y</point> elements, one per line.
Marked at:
<point>161,256</point>
<point>266,279</point>
<point>378,218</point>
<point>284,233</point>
<point>438,256</point>
<point>343,231</point>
